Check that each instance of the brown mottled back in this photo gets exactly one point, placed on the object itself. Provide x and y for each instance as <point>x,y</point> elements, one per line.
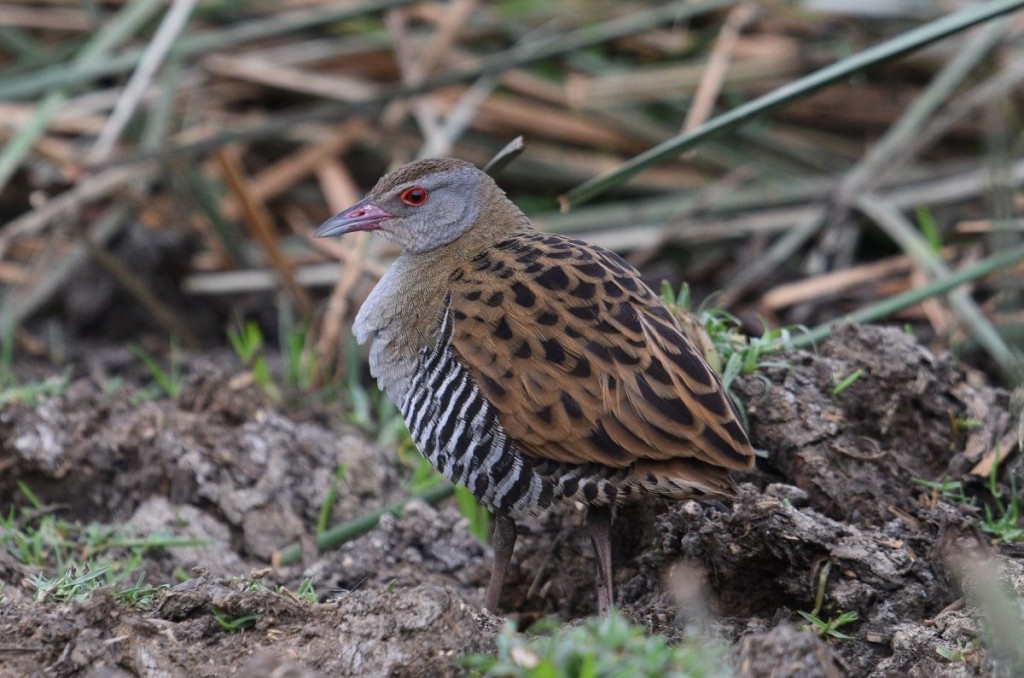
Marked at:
<point>585,364</point>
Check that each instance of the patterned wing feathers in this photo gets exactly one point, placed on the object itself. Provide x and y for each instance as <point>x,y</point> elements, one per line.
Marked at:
<point>585,365</point>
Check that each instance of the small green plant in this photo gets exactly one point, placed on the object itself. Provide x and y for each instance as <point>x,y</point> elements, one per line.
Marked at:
<point>306,592</point>
<point>233,624</point>
<point>946,489</point>
<point>251,584</point>
<point>167,383</point>
<point>72,558</point>
<point>1004,521</point>
<point>479,517</point>
<point>32,394</point>
<point>74,583</point>
<point>297,354</point>
<point>30,495</point>
<point>830,627</point>
<point>141,596</point>
<point>956,655</point>
<point>297,347</point>
<point>10,390</point>
<point>731,353</point>
<point>247,340</point>
<point>600,647</point>
<point>392,430</point>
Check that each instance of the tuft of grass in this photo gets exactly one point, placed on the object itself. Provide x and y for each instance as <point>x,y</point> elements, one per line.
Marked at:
<point>963,653</point>
<point>165,382</point>
<point>301,366</point>
<point>73,559</point>
<point>1003,521</point>
<point>297,354</point>
<point>11,391</point>
<point>141,596</point>
<point>611,646</point>
<point>729,352</point>
<point>717,333</point>
<point>31,395</point>
<point>1002,516</point>
<point>75,583</point>
<point>423,475</point>
<point>946,489</point>
<point>246,339</point>
<point>307,593</point>
<point>831,626</point>
<point>372,411</point>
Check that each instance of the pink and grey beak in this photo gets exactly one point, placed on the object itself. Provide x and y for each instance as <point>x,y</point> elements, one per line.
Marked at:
<point>363,216</point>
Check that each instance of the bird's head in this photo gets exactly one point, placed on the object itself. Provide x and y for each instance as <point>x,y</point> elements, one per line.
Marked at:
<point>421,206</point>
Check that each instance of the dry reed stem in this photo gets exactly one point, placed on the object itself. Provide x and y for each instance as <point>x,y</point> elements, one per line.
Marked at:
<point>829,285</point>
<point>64,206</point>
<point>277,178</point>
<point>340,191</point>
<point>718,65</point>
<point>512,115</point>
<point>424,108</point>
<point>46,18</point>
<point>336,87</point>
<point>1004,448</point>
<point>261,226</point>
<point>416,67</point>
<point>938,316</point>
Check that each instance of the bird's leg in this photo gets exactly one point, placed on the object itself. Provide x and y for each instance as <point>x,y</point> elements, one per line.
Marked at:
<point>503,542</point>
<point>599,523</point>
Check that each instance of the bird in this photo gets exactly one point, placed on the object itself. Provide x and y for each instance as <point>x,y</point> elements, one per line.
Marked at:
<point>534,368</point>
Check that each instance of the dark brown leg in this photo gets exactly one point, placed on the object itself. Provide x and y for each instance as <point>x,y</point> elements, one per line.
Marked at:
<point>599,524</point>
<point>504,541</point>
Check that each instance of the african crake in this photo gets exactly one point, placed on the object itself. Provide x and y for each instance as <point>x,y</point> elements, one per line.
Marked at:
<point>534,368</point>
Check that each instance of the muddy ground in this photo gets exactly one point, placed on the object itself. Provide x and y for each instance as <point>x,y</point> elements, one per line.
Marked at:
<point>833,505</point>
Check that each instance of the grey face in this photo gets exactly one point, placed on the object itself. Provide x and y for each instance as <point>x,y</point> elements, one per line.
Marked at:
<point>420,214</point>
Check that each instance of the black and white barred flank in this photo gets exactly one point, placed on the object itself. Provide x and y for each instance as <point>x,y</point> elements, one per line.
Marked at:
<point>455,427</point>
<point>458,430</point>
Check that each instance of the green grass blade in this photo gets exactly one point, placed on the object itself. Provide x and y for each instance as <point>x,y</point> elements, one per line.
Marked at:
<point>802,87</point>
<point>898,302</point>
<point>123,26</point>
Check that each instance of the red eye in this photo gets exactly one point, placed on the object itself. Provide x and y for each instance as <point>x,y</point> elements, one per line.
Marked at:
<point>414,196</point>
